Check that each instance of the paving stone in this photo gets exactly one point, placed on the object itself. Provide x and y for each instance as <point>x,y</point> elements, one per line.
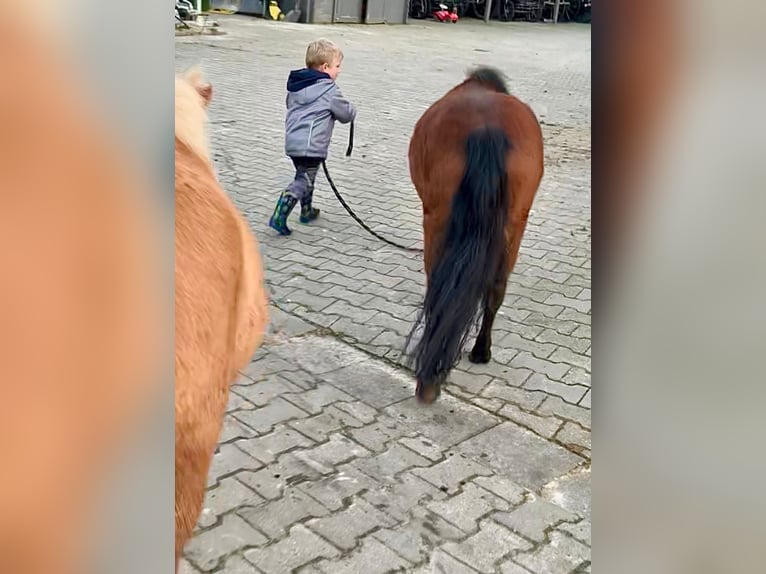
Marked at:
<point>579,531</point>
<point>268,447</point>
<point>446,422</point>
<point>379,434</point>
<point>372,558</point>
<point>502,487</point>
<point>274,518</point>
<point>532,519</point>
<point>585,401</point>
<point>574,343</point>
<point>374,383</point>
<point>333,490</point>
<point>570,393</point>
<point>443,563</point>
<point>299,548</point>
<point>510,567</point>
<point>314,400</point>
<point>556,406</point>
<point>544,426</point>
<point>528,400</point>
<point>228,495</point>
<point>238,565</point>
<point>575,438</point>
<point>571,491</point>
<point>565,355</point>
<point>491,543</point>
<point>233,430</point>
<point>228,460</point>
<point>320,427</point>
<point>561,556</point>
<point>207,548</point>
<point>387,465</point>
<point>469,382</point>
<point>452,473</point>
<point>358,410</point>
<point>465,509</point>
<point>270,482</point>
<point>398,497</point>
<point>317,355</point>
<point>577,376</point>
<point>526,360</point>
<point>344,528</point>
<point>491,405</point>
<point>525,458</point>
<point>336,450</point>
<point>423,447</point>
<point>184,567</point>
<point>278,411</point>
<point>271,364</point>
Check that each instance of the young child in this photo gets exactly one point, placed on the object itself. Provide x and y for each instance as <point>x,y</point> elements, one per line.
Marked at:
<point>314,102</point>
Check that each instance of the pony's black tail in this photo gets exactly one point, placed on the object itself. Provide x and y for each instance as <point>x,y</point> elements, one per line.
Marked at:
<point>472,251</point>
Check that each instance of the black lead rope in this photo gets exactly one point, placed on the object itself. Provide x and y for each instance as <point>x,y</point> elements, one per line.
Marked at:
<point>350,211</point>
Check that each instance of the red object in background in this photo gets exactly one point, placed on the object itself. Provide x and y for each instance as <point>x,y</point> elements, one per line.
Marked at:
<point>445,15</point>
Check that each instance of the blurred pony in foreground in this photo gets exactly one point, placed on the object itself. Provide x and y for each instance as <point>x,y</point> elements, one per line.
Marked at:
<point>79,305</point>
<point>220,301</point>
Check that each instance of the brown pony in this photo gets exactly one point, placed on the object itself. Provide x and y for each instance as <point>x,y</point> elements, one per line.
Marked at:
<point>220,302</point>
<point>476,159</point>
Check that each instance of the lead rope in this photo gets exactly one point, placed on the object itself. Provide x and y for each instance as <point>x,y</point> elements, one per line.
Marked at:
<point>350,211</point>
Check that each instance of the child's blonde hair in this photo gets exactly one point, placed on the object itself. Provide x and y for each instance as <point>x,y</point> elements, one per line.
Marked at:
<point>320,52</point>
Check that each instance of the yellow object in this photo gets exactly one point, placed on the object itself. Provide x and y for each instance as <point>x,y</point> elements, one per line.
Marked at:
<point>274,11</point>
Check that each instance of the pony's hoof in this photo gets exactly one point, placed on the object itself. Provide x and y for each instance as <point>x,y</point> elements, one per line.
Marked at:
<point>480,356</point>
<point>427,394</point>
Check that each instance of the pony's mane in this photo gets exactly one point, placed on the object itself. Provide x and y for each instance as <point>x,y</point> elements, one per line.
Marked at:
<point>489,77</point>
<point>192,97</point>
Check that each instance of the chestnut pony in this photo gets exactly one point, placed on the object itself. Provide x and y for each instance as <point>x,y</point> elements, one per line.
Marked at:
<point>220,302</point>
<point>476,160</point>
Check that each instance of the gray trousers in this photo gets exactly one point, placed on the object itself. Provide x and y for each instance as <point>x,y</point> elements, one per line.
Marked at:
<point>302,186</point>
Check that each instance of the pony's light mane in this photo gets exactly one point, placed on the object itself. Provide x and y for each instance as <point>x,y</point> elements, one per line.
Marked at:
<point>191,113</point>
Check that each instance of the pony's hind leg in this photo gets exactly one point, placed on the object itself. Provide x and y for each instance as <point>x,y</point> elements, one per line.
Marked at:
<point>482,349</point>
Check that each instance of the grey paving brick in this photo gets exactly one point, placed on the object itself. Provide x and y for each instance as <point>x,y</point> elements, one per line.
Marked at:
<point>264,419</point>
<point>443,563</point>
<point>571,491</point>
<point>556,406</point>
<point>534,518</point>
<point>228,495</point>
<point>490,544</point>
<point>565,355</point>
<point>376,384</point>
<point>452,473</point>
<point>270,482</point>
<point>570,393</point>
<point>262,392</point>
<point>561,556</point>
<point>320,426</point>
<point>378,435</point>
<point>268,447</point>
<point>372,557</point>
<point>300,547</point>
<point>345,527</point>
<point>554,370</point>
<point>274,518</point>
<point>544,426</point>
<point>528,400</point>
<point>466,508</point>
<point>526,458</point>
<point>228,460</point>
<point>575,438</point>
<point>206,549</point>
<point>464,420</point>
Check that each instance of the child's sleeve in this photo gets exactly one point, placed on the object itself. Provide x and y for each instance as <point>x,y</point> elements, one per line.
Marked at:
<point>343,110</point>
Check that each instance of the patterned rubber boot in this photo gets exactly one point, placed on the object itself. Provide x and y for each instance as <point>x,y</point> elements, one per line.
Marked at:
<point>308,213</point>
<point>278,221</point>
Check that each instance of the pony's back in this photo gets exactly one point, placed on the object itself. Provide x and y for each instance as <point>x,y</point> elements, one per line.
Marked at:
<point>220,302</point>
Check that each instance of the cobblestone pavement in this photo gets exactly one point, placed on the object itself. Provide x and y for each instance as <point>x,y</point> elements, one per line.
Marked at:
<point>326,464</point>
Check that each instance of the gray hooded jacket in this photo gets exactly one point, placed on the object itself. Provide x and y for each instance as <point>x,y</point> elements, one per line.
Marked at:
<point>314,102</point>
